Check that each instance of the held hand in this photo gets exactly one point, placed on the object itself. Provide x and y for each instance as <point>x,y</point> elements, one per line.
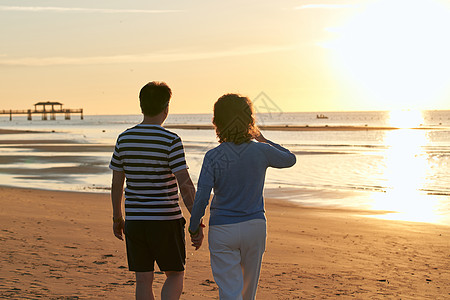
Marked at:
<point>197,239</point>
<point>118,227</point>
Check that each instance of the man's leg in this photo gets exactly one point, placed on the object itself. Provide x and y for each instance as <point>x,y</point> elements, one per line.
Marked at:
<point>144,286</point>
<point>173,286</point>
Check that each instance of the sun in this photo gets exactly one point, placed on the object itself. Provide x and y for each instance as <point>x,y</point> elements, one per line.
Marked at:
<point>406,118</point>
<point>397,51</point>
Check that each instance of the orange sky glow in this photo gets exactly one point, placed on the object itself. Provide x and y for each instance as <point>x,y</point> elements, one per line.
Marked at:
<point>305,55</point>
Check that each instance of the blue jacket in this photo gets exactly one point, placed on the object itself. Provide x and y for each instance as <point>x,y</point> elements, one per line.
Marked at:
<point>237,174</point>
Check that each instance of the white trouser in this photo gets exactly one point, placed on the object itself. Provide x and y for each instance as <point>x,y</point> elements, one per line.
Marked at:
<point>236,254</point>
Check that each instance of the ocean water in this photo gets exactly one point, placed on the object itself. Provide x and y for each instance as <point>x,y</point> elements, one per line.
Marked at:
<point>404,170</point>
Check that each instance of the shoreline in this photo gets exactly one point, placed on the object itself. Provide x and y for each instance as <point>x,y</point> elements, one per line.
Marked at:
<point>301,127</point>
<point>60,244</point>
<point>284,127</point>
<point>18,131</point>
<point>263,127</point>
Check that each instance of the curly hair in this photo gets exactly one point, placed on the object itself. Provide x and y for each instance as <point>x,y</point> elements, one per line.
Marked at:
<point>234,119</point>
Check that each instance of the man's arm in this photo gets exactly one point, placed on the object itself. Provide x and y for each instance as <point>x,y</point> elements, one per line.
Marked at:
<point>187,188</point>
<point>118,180</point>
<point>187,191</point>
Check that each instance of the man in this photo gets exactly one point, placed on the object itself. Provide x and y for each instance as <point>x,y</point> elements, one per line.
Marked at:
<point>152,161</point>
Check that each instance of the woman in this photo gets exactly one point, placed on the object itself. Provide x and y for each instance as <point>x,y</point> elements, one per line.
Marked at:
<point>236,170</point>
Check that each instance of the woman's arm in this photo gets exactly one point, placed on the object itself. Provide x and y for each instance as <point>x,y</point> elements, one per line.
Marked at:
<point>201,201</point>
<point>277,156</point>
<point>198,210</point>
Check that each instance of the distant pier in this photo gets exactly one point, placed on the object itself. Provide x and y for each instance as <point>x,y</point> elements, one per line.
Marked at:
<point>46,110</point>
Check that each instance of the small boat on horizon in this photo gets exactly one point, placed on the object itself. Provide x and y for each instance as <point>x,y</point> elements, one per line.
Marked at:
<point>321,116</point>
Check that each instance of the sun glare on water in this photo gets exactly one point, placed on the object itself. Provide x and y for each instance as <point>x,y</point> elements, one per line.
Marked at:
<point>395,54</point>
<point>406,170</point>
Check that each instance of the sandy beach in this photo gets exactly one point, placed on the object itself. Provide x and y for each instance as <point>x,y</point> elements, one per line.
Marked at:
<point>59,245</point>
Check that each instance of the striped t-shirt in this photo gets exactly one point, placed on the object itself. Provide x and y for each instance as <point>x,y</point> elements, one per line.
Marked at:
<point>149,155</point>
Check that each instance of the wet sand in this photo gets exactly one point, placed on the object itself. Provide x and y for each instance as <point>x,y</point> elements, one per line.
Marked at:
<point>73,158</point>
<point>14,131</point>
<point>59,245</point>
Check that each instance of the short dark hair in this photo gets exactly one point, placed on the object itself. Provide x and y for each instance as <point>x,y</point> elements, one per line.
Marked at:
<point>154,98</point>
<point>234,119</point>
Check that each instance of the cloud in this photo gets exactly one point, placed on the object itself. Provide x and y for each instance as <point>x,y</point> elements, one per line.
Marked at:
<point>139,58</point>
<point>324,6</point>
<point>83,10</point>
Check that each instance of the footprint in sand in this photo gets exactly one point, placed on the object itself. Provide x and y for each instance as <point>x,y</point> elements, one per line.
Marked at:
<point>129,282</point>
<point>208,282</point>
<point>71,247</point>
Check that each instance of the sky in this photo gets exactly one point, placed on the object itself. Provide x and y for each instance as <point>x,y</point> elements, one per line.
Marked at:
<point>304,55</point>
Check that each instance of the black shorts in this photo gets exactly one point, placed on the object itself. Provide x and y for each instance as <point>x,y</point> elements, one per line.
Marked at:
<point>160,241</point>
